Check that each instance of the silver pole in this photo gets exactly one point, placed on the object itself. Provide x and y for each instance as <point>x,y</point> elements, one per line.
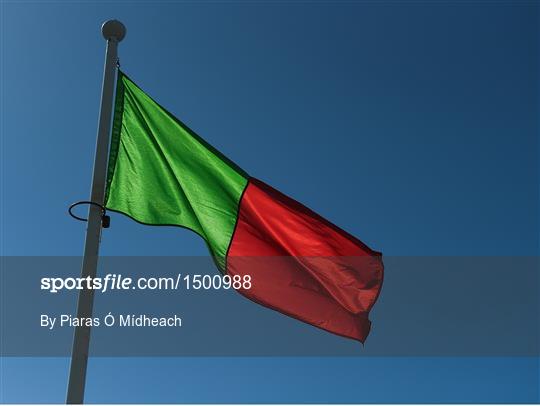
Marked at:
<point>113,31</point>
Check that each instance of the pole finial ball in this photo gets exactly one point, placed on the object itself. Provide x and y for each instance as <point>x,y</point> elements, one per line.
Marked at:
<point>113,29</point>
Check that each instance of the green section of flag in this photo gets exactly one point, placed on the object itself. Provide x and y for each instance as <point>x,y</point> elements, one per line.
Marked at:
<point>161,173</point>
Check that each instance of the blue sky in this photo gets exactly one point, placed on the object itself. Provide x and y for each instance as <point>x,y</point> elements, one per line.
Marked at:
<point>412,125</point>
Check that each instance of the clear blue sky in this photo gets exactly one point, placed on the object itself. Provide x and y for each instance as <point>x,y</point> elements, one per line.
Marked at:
<point>413,125</point>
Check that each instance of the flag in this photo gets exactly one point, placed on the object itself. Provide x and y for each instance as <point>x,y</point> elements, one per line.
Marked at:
<point>161,173</point>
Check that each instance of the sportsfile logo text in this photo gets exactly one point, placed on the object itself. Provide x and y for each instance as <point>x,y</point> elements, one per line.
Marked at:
<point>111,282</point>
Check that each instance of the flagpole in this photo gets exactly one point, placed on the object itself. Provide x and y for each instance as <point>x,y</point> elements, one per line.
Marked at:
<point>113,31</point>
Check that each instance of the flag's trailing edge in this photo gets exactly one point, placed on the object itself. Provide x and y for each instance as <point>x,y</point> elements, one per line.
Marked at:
<point>162,173</point>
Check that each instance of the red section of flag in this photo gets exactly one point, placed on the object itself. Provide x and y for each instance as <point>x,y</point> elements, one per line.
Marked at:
<point>302,265</point>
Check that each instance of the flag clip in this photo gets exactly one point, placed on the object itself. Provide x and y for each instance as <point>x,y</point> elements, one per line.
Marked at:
<point>105,219</point>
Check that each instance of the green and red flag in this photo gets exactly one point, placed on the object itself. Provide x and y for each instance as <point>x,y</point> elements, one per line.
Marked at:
<point>162,173</point>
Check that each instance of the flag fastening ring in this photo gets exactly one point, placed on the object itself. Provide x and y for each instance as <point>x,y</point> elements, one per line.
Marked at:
<point>105,220</point>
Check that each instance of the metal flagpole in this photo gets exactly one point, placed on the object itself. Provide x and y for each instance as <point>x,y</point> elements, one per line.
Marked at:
<point>113,31</point>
